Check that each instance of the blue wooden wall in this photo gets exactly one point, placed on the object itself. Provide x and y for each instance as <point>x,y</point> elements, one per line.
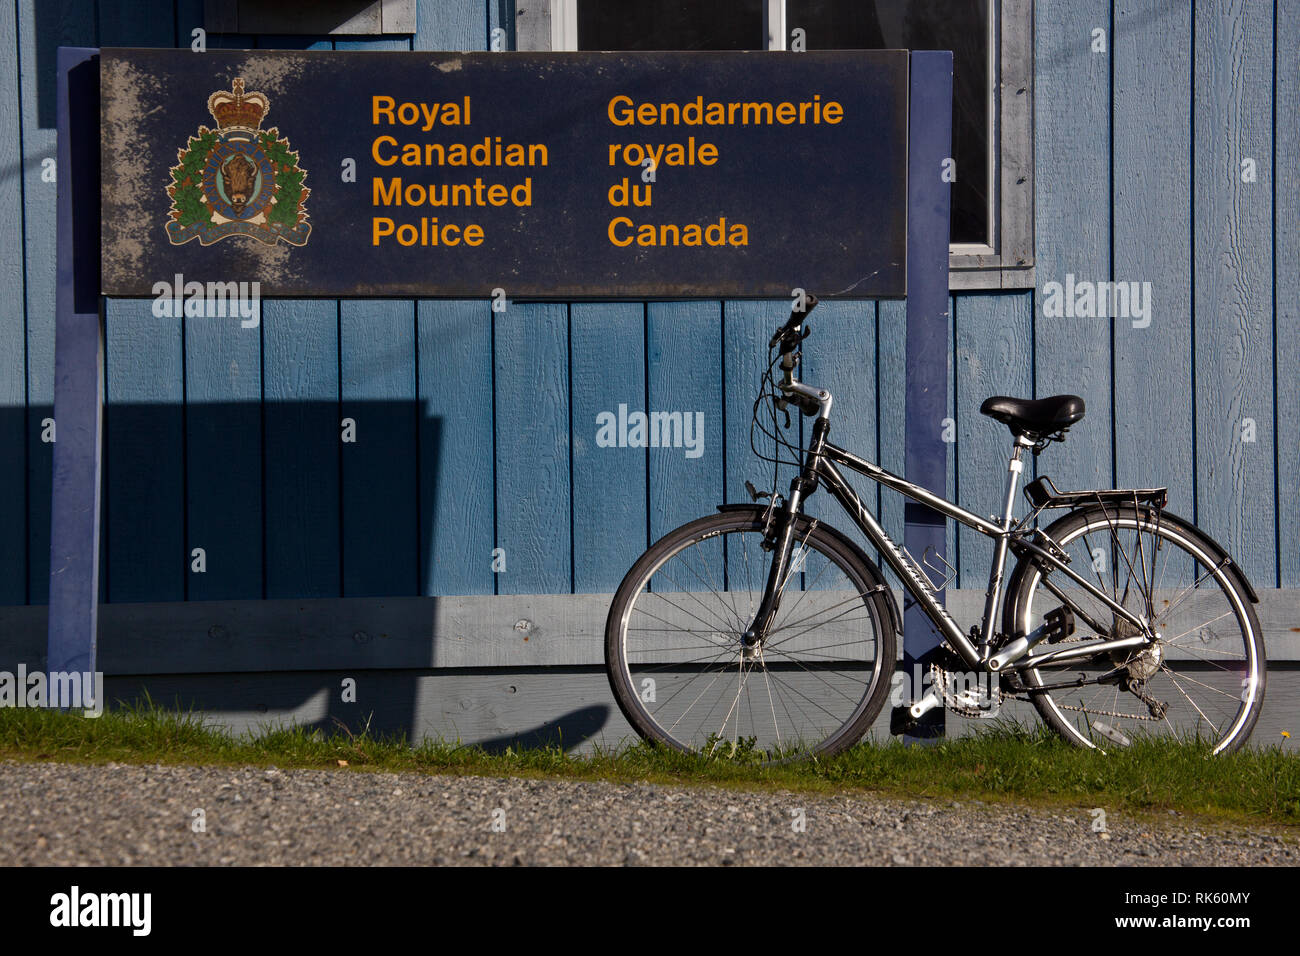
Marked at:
<point>477,431</point>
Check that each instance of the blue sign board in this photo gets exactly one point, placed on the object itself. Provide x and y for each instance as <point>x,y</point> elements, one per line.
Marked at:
<point>563,175</point>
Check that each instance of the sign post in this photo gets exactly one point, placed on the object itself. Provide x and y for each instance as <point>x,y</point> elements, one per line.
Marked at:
<point>78,372</point>
<point>928,199</point>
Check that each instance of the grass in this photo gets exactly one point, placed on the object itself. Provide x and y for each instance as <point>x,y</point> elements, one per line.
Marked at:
<point>1260,786</point>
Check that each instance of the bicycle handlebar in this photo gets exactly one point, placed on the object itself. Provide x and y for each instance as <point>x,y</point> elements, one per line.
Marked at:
<point>788,335</point>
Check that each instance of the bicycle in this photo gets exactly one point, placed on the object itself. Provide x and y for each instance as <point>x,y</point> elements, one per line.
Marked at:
<point>763,628</point>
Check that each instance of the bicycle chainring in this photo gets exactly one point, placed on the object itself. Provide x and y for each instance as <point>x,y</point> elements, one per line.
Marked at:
<point>979,702</point>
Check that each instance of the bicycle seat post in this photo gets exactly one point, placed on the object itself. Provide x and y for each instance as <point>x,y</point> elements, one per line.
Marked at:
<point>992,597</point>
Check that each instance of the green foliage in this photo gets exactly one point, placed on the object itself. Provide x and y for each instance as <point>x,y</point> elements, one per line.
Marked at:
<point>187,177</point>
<point>288,180</point>
<point>743,750</point>
<point>188,180</point>
<point>1005,763</point>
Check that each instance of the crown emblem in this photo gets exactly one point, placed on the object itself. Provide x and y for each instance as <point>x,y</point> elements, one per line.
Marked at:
<point>237,110</point>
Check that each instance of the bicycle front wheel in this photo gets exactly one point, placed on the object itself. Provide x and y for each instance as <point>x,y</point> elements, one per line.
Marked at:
<point>1202,677</point>
<point>679,670</point>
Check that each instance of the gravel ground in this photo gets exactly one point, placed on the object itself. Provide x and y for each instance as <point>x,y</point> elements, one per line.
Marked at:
<point>131,815</point>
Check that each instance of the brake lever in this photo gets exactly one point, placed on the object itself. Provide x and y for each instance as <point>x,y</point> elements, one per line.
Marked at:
<point>783,405</point>
<point>788,336</point>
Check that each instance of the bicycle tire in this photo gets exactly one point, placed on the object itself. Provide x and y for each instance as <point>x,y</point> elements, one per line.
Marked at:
<point>1210,654</point>
<point>865,585</point>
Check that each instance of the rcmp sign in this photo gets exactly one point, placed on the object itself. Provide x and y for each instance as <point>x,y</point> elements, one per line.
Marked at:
<point>238,179</point>
<point>548,175</point>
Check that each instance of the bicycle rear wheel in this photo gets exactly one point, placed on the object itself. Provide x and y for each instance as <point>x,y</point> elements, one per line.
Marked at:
<point>1203,677</point>
<point>677,665</point>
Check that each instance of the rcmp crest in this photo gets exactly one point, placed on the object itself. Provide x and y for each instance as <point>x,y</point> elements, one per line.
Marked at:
<point>238,179</point>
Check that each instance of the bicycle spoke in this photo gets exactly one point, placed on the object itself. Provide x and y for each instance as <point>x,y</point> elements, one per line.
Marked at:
<point>818,676</point>
<point>808,589</point>
<point>1193,680</point>
<point>1183,594</point>
<point>794,690</point>
<point>789,624</point>
<point>1197,627</point>
<point>1188,598</point>
<point>799,694</point>
<point>711,588</point>
<point>767,682</point>
<point>1174,681</point>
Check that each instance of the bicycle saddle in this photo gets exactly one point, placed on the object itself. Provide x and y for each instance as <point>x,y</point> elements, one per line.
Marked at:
<point>1034,418</point>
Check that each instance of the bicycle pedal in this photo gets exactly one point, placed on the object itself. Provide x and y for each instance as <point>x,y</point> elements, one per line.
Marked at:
<point>1058,624</point>
<point>901,721</point>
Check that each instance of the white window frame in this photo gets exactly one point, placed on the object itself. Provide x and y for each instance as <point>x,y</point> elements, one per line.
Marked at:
<point>1007,262</point>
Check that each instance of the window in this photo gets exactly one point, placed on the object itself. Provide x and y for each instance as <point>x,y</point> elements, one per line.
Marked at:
<point>992,44</point>
<point>671,25</point>
<point>962,26</point>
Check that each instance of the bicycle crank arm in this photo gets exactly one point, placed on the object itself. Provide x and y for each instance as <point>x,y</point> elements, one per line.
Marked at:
<point>905,718</point>
<point>929,702</point>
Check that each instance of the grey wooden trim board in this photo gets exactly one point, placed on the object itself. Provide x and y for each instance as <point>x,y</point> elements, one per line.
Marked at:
<point>1010,264</point>
<point>332,17</point>
<point>566,630</point>
<point>533,26</point>
<point>497,708</point>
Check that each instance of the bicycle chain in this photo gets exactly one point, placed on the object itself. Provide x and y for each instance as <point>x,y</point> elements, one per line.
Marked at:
<point>974,712</point>
<point>1146,699</point>
<point>1107,713</point>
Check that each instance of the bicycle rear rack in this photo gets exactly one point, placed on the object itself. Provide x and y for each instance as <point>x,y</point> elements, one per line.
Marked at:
<point>1043,494</point>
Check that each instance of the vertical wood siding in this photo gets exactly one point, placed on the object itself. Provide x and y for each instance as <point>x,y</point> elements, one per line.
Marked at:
<point>477,430</point>
<point>1232,236</point>
<point>1072,212</point>
<point>1154,409</point>
<point>14,440</point>
<point>1286,288</point>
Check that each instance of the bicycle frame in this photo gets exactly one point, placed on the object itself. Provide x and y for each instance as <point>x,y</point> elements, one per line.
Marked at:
<point>821,466</point>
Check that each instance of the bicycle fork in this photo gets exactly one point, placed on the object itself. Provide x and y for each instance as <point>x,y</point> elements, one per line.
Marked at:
<point>779,572</point>
<point>778,575</point>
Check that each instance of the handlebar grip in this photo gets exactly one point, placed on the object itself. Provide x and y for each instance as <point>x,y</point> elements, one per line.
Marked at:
<point>796,320</point>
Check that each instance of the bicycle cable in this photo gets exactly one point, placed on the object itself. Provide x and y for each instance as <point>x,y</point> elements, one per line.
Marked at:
<point>769,395</point>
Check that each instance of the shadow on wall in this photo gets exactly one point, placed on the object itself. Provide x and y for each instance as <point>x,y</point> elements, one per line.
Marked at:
<point>483,708</point>
<point>58,23</point>
<point>284,504</point>
<point>245,500</point>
